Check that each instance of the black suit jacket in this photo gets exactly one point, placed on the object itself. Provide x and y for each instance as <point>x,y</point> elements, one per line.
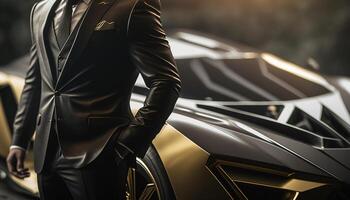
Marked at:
<point>117,40</point>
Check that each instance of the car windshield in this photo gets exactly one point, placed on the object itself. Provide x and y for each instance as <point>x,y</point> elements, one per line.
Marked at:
<point>242,80</point>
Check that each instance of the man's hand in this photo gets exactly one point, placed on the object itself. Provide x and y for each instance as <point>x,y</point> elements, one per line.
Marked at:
<point>15,163</point>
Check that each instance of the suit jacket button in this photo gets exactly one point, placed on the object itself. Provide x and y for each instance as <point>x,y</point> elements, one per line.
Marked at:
<point>57,93</point>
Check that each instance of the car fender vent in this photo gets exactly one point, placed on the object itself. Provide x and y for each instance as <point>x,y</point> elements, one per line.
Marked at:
<point>300,126</point>
<point>304,121</point>
<point>330,126</point>
<point>271,111</point>
<point>336,123</point>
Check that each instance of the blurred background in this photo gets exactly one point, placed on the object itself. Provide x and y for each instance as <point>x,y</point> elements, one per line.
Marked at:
<point>298,31</point>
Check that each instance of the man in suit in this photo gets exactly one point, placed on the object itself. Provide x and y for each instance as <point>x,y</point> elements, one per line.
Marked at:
<point>84,61</point>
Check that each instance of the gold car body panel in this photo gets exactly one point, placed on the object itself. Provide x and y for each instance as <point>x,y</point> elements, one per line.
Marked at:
<point>183,158</point>
<point>16,84</point>
<point>5,136</point>
<point>266,177</point>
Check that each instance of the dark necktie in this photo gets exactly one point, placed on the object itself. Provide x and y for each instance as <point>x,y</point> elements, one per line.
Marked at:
<point>65,22</point>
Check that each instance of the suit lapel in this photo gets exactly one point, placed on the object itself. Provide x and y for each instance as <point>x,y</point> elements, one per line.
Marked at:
<point>95,12</point>
<point>43,30</point>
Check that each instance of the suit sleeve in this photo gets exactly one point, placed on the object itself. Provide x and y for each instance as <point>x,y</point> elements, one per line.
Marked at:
<point>27,110</point>
<point>150,53</point>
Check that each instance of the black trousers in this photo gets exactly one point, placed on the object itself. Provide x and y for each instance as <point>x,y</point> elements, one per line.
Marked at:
<point>103,178</point>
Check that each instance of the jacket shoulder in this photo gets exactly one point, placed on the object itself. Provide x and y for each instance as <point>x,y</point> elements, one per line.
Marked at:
<point>39,5</point>
<point>145,14</point>
<point>120,12</point>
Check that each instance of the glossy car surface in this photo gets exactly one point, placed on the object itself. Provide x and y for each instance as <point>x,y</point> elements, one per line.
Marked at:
<point>248,125</point>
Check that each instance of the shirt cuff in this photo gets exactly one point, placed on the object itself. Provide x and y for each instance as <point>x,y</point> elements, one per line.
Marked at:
<point>17,147</point>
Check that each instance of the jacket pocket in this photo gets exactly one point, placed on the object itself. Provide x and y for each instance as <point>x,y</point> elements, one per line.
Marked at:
<point>105,25</point>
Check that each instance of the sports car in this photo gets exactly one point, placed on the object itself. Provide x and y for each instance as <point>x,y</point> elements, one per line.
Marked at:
<point>248,125</point>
